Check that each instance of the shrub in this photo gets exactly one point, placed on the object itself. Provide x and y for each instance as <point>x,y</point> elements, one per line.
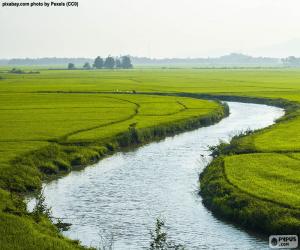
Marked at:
<point>159,238</point>
<point>40,209</point>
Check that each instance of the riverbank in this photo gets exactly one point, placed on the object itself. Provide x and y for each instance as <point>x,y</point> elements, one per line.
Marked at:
<point>58,159</point>
<point>234,198</point>
<point>124,193</point>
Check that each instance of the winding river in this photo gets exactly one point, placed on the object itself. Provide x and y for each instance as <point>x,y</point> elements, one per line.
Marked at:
<point>122,195</point>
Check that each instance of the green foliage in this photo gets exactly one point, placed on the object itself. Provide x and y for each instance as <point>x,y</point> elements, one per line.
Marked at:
<point>98,63</point>
<point>16,71</point>
<point>118,63</point>
<point>41,212</point>
<point>236,145</point>
<point>109,63</point>
<point>126,62</point>
<point>62,226</point>
<point>159,238</point>
<point>71,66</point>
<point>87,66</point>
<point>40,209</point>
<point>19,71</point>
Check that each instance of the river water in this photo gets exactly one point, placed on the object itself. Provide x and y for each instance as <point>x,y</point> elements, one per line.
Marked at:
<point>122,195</point>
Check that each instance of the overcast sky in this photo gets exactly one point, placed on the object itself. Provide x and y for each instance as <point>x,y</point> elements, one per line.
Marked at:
<point>152,28</point>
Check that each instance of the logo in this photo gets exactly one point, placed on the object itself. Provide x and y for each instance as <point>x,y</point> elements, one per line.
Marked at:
<point>283,241</point>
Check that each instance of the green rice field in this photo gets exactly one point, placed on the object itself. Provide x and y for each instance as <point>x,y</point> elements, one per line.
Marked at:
<point>57,120</point>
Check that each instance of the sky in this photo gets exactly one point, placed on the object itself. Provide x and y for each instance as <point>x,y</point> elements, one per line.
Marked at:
<point>152,28</point>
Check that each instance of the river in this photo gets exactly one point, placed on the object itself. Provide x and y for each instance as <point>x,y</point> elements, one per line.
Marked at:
<point>122,195</point>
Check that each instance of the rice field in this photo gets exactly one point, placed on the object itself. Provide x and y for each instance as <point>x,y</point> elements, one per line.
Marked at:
<point>32,120</point>
<point>70,117</point>
<point>269,176</point>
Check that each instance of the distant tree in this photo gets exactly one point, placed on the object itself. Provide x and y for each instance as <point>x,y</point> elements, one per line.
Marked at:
<point>16,71</point>
<point>109,63</point>
<point>98,63</point>
<point>118,63</point>
<point>126,62</point>
<point>291,61</point>
<point>71,66</point>
<point>87,66</point>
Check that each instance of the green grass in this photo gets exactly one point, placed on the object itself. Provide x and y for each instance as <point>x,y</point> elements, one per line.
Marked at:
<point>254,207</point>
<point>19,231</point>
<point>285,137</point>
<point>273,177</point>
<point>272,83</point>
<point>47,130</point>
<point>23,233</point>
<point>58,119</point>
<point>36,119</point>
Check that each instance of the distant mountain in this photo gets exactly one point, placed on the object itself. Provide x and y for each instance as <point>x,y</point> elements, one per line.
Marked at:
<point>231,60</point>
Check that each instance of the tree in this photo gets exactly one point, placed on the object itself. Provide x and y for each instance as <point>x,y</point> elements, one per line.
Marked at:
<point>126,62</point>
<point>118,63</point>
<point>87,66</point>
<point>109,63</point>
<point>98,63</point>
<point>291,61</point>
<point>71,66</point>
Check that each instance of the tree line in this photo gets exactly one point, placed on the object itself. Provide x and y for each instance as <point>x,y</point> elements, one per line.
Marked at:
<point>291,61</point>
<point>123,62</point>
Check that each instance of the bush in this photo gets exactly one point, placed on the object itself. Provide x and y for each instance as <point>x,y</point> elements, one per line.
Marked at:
<point>40,209</point>
<point>159,238</point>
<point>16,71</point>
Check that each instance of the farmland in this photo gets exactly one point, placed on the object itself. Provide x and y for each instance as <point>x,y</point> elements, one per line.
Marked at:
<point>277,182</point>
<point>46,132</point>
<point>58,119</point>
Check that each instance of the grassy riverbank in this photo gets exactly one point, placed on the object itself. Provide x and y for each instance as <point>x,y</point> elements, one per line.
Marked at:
<point>45,135</point>
<point>254,181</point>
<point>55,121</point>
